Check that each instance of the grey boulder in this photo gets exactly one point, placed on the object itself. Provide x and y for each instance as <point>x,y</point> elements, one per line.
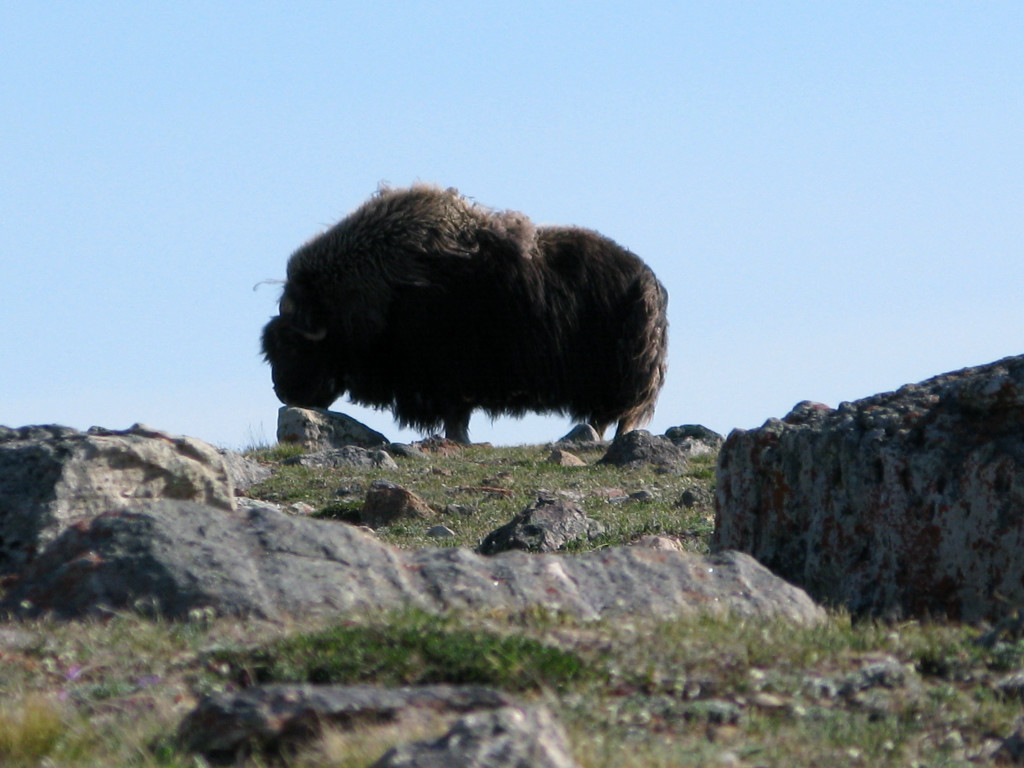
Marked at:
<point>272,717</point>
<point>510,737</point>
<point>169,558</point>
<point>317,429</point>
<point>908,503</point>
<point>547,525</point>
<point>52,477</point>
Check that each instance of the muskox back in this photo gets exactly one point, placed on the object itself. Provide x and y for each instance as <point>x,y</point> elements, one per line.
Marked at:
<point>431,306</point>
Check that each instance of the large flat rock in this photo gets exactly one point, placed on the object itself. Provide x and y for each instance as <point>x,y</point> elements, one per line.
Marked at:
<point>171,557</point>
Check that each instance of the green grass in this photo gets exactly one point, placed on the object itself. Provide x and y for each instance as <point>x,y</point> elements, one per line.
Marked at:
<point>28,732</point>
<point>411,649</point>
<point>705,690</point>
<point>497,483</point>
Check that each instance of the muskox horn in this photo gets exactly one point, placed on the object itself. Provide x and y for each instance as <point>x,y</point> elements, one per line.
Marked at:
<point>287,312</point>
<point>318,335</point>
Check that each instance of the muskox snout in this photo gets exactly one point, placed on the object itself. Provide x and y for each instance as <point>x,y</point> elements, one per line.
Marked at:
<point>303,393</point>
<point>302,372</point>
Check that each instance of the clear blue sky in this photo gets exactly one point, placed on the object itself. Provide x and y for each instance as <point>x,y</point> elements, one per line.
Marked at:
<point>833,193</point>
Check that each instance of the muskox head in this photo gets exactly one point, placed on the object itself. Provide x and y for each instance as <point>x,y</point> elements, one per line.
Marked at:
<point>296,344</point>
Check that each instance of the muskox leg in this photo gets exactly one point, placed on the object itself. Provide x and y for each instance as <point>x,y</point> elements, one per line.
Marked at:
<point>456,426</point>
<point>628,424</point>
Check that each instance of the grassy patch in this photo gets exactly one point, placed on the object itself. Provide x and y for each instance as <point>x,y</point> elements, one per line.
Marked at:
<point>29,732</point>
<point>488,486</point>
<point>414,649</point>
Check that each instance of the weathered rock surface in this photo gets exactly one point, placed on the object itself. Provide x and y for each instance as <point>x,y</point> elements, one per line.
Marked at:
<point>510,737</point>
<point>244,473</point>
<point>51,476</point>
<point>547,525</point>
<point>641,447</point>
<point>909,502</point>
<point>581,433</point>
<point>405,451</point>
<point>387,502</point>
<point>659,542</point>
<point>695,439</point>
<point>319,430</point>
<point>169,558</point>
<point>565,459</point>
<point>697,496</point>
<point>271,717</point>
<point>349,456</point>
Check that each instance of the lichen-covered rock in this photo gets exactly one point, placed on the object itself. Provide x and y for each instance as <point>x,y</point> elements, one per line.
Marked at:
<point>909,502</point>
<point>695,439</point>
<point>510,737</point>
<point>641,447</point>
<point>317,429</point>
<point>565,459</point>
<point>52,476</point>
<point>547,525</point>
<point>244,473</point>
<point>170,558</point>
<point>349,456</point>
<point>581,433</point>
<point>387,502</point>
<point>272,717</point>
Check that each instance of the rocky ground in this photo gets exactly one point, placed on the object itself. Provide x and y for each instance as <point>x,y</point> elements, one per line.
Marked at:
<point>580,604</point>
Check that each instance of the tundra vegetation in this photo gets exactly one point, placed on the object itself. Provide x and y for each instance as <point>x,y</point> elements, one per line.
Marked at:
<point>697,691</point>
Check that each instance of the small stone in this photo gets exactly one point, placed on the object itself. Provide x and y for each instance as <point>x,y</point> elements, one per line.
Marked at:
<point>768,701</point>
<point>665,543</point>
<point>440,532</point>
<point>347,456</point>
<point>387,502</point>
<point>641,447</point>
<point>350,490</point>
<point>547,525</point>
<point>695,439</point>
<point>1012,686</point>
<point>405,451</point>
<point>886,672</point>
<point>696,496</point>
<point>581,433</point>
<point>565,459</point>
<point>511,737</point>
<point>714,712</point>
<point>439,446</point>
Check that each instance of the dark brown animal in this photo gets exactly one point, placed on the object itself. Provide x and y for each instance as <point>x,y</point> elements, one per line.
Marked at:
<point>429,305</point>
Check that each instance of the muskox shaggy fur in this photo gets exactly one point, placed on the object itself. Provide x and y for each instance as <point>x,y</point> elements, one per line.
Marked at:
<point>432,306</point>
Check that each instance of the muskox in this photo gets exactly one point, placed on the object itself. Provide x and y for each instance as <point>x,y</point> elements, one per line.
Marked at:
<point>430,305</point>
